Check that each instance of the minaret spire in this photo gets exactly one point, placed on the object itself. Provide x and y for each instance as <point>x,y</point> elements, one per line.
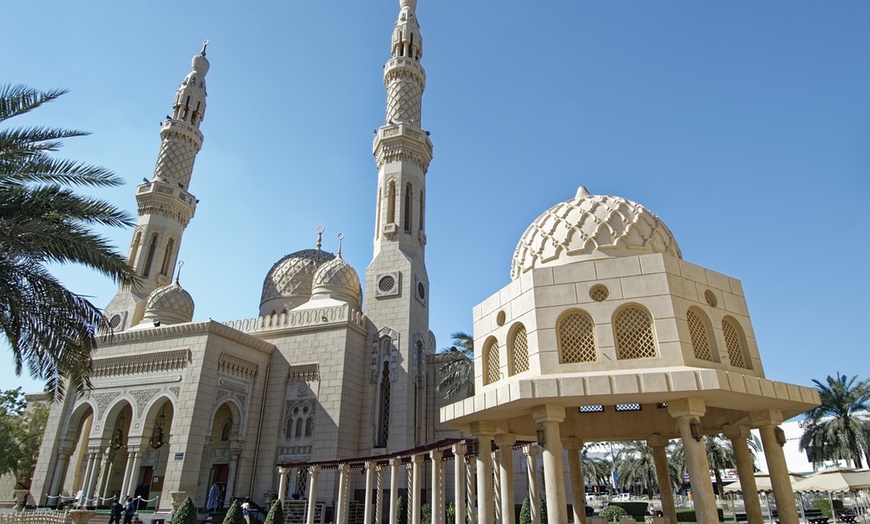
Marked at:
<point>165,206</point>
<point>397,284</point>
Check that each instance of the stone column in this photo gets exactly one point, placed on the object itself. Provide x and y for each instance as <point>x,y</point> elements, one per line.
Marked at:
<point>284,473</point>
<point>534,491</point>
<point>745,471</point>
<point>459,481</point>
<point>312,493</point>
<point>91,490</point>
<point>578,496</point>
<point>505,442</point>
<point>89,469</point>
<point>659,446</point>
<point>370,481</point>
<point>395,468</point>
<point>134,470</point>
<point>235,451</point>
<point>343,488</point>
<point>437,486</point>
<point>379,494</point>
<point>416,486</point>
<point>550,416</point>
<point>686,411</point>
<point>130,472</point>
<point>470,488</point>
<point>496,486</point>
<point>767,422</point>
<point>484,432</point>
<point>57,478</point>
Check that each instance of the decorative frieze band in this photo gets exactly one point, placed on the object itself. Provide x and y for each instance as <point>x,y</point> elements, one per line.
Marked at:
<point>303,373</point>
<point>158,362</point>
<point>232,365</point>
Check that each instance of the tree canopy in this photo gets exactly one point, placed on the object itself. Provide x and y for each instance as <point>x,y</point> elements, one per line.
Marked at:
<point>21,430</point>
<point>51,330</point>
<point>839,428</point>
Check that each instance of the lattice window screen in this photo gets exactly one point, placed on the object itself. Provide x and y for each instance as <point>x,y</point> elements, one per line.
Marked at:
<point>493,365</point>
<point>520,350</point>
<point>733,343</point>
<point>698,332</point>
<point>634,336</point>
<point>576,338</point>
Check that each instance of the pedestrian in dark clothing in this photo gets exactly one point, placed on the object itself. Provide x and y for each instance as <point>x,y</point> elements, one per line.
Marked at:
<point>115,512</point>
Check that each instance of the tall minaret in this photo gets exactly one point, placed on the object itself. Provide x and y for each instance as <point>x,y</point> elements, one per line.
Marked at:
<point>165,205</point>
<point>397,285</point>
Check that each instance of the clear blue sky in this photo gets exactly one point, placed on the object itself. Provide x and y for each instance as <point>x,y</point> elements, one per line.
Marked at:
<point>744,126</point>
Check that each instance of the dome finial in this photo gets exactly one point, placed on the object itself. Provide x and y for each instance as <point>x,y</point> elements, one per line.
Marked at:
<point>340,238</point>
<point>204,45</point>
<point>408,3</point>
<point>582,192</point>
<point>178,275</point>
<point>320,230</point>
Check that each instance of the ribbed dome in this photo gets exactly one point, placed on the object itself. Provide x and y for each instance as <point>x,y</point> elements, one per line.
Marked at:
<point>169,305</point>
<point>288,283</point>
<point>589,227</point>
<point>337,279</point>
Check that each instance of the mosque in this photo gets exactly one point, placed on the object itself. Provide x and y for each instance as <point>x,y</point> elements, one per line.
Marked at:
<point>604,334</point>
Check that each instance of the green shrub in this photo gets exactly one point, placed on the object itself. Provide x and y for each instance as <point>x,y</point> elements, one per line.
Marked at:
<point>402,516</point>
<point>186,513</point>
<point>426,513</point>
<point>276,514</point>
<point>450,514</point>
<point>526,512</point>
<point>612,512</point>
<point>234,514</point>
<point>688,515</point>
<point>635,509</point>
<point>825,506</point>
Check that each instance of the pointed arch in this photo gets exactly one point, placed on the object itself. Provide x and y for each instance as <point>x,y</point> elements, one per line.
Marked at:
<point>701,335</point>
<point>492,361</point>
<point>518,349</point>
<point>149,259</point>
<point>633,330</point>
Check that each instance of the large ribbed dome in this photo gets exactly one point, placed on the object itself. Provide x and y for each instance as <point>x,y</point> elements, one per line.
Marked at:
<point>288,283</point>
<point>337,279</point>
<point>589,227</point>
<point>168,305</point>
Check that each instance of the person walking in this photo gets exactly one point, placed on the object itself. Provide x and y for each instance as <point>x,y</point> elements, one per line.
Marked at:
<point>129,510</point>
<point>115,512</point>
<point>246,510</point>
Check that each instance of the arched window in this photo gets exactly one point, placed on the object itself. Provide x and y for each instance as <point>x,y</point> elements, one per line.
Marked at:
<point>406,216</point>
<point>421,211</point>
<point>634,335</point>
<point>309,426</point>
<point>735,343</point>
<point>225,431</point>
<point>576,338</point>
<point>391,203</point>
<point>134,249</point>
<point>383,422</point>
<point>493,364</point>
<point>167,257</point>
<point>519,350</point>
<point>378,214</point>
<point>699,333</point>
<point>150,258</point>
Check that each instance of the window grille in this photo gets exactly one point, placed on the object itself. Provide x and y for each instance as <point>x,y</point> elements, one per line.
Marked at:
<point>406,216</point>
<point>698,333</point>
<point>733,343</point>
<point>634,336</point>
<point>576,338</point>
<point>591,409</point>
<point>493,366</point>
<point>520,351</point>
<point>599,293</point>
<point>384,413</point>
<point>628,407</point>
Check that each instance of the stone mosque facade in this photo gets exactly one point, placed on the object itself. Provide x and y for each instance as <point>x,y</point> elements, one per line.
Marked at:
<point>604,334</point>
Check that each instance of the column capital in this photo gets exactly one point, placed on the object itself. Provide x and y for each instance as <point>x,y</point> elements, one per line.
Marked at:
<point>371,465</point>
<point>549,413</point>
<point>460,448</point>
<point>417,459</point>
<point>396,461</point>
<point>687,407</point>
<point>767,417</point>
<point>314,469</point>
<point>435,454</point>
<point>735,432</point>
<point>531,450</point>
<point>483,428</point>
<point>505,440</point>
<point>657,441</point>
<point>572,443</point>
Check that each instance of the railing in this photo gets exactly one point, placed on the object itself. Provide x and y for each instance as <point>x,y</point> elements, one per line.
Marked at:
<point>40,516</point>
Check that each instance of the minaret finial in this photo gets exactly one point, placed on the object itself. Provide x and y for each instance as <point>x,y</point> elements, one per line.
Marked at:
<point>320,230</point>
<point>408,3</point>
<point>178,275</point>
<point>204,45</point>
<point>340,238</point>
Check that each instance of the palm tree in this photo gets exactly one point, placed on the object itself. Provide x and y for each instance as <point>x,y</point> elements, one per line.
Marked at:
<point>839,428</point>
<point>458,372</point>
<point>597,470</point>
<point>50,329</point>
<point>720,456</point>
<point>636,466</point>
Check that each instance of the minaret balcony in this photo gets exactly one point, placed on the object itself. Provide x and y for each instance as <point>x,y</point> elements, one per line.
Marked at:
<point>165,190</point>
<point>180,127</point>
<point>404,61</point>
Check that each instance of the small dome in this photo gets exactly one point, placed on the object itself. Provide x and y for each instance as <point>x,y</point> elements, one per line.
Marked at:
<point>288,283</point>
<point>589,227</point>
<point>337,279</point>
<point>168,305</point>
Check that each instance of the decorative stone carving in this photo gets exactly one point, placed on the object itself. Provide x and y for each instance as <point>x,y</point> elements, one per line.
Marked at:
<point>158,362</point>
<point>142,396</point>
<point>104,399</point>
